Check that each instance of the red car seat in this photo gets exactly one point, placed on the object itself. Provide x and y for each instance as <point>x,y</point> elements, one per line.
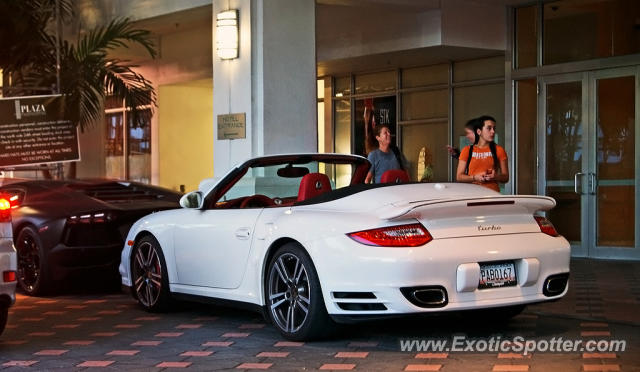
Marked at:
<point>394,176</point>
<point>313,184</point>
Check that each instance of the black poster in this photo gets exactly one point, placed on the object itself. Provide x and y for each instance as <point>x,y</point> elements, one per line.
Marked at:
<point>369,113</point>
<point>33,130</point>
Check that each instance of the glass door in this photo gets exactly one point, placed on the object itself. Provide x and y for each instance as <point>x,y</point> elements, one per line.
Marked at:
<point>612,175</point>
<point>588,133</point>
<point>563,136</point>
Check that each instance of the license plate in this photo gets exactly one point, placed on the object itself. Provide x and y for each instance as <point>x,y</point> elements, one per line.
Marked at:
<point>497,274</point>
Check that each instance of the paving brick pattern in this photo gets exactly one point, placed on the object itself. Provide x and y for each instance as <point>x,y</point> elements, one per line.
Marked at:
<point>108,331</point>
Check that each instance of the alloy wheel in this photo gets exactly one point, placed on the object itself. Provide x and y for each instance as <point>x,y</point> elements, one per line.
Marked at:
<point>28,263</point>
<point>289,292</point>
<point>147,270</point>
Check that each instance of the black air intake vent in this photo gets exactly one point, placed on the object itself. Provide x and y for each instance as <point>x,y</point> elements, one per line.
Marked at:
<point>354,295</point>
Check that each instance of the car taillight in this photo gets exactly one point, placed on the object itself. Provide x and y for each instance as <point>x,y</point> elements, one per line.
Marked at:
<point>5,209</point>
<point>412,235</point>
<point>546,226</point>
<point>9,276</point>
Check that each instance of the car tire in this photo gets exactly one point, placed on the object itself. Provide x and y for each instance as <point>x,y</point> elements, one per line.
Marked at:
<point>33,269</point>
<point>293,295</point>
<point>4,314</point>
<point>150,282</point>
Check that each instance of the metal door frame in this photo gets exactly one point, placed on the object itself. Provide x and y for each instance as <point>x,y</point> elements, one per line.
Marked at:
<point>577,250</point>
<point>612,251</point>
<point>588,202</point>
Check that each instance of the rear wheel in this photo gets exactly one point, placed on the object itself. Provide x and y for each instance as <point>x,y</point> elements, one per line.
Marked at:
<point>33,269</point>
<point>293,295</point>
<point>149,275</point>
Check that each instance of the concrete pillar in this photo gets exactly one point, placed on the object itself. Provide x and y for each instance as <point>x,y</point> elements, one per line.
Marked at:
<point>273,81</point>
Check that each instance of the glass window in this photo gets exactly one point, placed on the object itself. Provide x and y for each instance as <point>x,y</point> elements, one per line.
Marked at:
<point>576,30</point>
<point>424,76</point>
<point>343,86</point>
<point>369,113</point>
<point>127,147</point>
<point>140,137</point>
<point>563,132</point>
<point>527,144</point>
<point>280,184</point>
<point>111,102</point>
<point>616,161</point>
<point>473,101</point>
<point>321,123</point>
<point>424,146</point>
<point>377,82</point>
<point>114,134</point>
<point>478,69</point>
<point>526,24</point>
<point>114,145</point>
<point>343,126</point>
<point>140,150</point>
<point>425,105</point>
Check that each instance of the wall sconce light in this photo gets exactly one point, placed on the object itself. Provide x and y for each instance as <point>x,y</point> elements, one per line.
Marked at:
<point>227,34</point>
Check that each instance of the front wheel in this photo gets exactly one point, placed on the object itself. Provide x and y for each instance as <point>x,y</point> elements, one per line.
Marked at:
<point>293,295</point>
<point>149,275</point>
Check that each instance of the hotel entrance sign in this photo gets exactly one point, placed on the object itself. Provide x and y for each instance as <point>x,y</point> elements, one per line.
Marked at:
<point>232,126</point>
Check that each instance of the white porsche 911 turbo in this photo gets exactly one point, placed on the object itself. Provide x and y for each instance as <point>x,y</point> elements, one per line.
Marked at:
<point>303,239</point>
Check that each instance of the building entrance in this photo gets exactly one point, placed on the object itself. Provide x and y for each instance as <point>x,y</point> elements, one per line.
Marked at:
<point>587,136</point>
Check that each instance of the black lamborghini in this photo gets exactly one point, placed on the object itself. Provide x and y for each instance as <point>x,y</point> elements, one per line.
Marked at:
<point>64,227</point>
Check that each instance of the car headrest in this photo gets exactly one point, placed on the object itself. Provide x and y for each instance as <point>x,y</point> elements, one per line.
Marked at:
<point>394,176</point>
<point>313,184</point>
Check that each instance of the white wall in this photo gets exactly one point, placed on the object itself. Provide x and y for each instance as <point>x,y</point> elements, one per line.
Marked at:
<point>272,81</point>
<point>354,31</point>
<point>474,24</point>
<point>349,31</point>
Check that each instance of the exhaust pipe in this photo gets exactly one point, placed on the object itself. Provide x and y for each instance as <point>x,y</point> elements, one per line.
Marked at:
<point>432,296</point>
<point>555,284</point>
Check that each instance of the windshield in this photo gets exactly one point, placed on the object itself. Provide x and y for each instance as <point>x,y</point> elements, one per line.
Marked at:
<point>286,183</point>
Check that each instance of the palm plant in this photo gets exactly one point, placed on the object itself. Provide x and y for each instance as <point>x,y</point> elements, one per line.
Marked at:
<point>88,74</point>
<point>87,71</point>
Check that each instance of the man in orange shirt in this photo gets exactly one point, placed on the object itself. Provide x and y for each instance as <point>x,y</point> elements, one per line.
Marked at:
<point>487,164</point>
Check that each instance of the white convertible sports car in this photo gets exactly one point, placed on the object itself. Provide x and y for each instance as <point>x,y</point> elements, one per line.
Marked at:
<point>303,239</point>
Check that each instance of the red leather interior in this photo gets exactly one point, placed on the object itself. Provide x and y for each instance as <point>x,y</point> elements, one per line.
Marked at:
<point>313,184</point>
<point>394,176</point>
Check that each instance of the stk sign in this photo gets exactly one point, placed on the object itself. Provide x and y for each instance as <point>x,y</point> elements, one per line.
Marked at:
<point>33,130</point>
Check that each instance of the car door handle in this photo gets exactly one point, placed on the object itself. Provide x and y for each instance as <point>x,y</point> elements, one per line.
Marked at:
<point>243,233</point>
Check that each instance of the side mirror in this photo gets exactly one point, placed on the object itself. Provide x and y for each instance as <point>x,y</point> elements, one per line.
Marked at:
<point>194,199</point>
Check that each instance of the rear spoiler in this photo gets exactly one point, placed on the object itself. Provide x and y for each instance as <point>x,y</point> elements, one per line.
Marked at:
<point>450,208</point>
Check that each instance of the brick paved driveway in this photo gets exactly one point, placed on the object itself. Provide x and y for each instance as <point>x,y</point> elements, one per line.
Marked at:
<point>107,330</point>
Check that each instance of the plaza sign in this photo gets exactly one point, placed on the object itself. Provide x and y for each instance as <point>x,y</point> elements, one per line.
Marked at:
<point>34,130</point>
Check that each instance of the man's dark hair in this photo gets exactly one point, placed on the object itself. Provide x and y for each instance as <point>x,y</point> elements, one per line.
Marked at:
<point>379,128</point>
<point>472,125</point>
